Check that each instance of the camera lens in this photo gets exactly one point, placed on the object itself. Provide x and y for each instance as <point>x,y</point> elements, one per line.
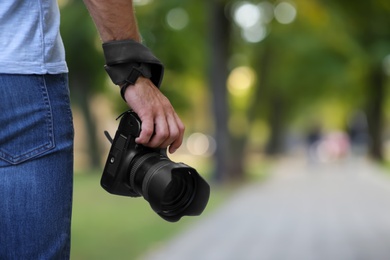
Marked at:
<point>172,189</point>
<point>179,193</point>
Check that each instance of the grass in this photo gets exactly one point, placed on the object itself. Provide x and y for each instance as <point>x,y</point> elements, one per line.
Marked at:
<point>106,226</point>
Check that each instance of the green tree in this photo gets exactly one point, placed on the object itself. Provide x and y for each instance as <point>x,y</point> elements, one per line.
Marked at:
<point>295,69</point>
<point>367,23</point>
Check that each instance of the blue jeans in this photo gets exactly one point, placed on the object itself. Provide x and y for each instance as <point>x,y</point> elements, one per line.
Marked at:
<point>36,167</point>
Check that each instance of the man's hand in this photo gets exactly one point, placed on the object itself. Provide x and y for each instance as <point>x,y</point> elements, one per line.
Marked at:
<point>161,126</point>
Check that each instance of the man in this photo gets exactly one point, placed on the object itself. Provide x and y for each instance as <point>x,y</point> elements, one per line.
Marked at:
<point>36,137</point>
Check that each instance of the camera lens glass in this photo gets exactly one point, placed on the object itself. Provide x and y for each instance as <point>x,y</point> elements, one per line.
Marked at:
<point>169,188</point>
<point>179,193</point>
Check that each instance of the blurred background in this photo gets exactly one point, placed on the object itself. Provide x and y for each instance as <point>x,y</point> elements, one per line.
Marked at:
<point>255,82</point>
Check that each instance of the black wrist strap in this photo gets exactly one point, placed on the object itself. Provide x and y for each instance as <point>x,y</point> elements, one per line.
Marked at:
<point>126,60</point>
<point>136,70</point>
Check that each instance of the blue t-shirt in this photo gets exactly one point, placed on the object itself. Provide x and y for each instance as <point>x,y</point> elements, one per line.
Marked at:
<point>30,41</point>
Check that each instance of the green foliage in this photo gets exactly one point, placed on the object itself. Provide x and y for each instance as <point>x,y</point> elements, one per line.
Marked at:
<point>320,56</point>
<point>182,51</point>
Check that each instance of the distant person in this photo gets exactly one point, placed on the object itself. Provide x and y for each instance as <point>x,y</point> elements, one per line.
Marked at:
<point>313,137</point>
<point>36,137</point>
<point>357,130</point>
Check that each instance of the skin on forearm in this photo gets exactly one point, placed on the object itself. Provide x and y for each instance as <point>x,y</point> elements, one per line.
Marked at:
<point>114,19</point>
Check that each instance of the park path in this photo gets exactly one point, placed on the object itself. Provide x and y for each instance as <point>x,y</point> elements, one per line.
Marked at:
<point>337,211</point>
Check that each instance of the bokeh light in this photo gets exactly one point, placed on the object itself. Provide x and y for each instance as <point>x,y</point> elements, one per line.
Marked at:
<point>255,33</point>
<point>285,13</point>
<point>266,11</point>
<point>246,15</point>
<point>240,80</point>
<point>200,144</point>
<point>177,18</point>
<point>252,19</point>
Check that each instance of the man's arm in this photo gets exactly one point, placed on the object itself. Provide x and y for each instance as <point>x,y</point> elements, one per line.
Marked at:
<point>161,126</point>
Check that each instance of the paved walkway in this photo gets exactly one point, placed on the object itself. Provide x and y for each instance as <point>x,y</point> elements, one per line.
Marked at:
<point>319,212</point>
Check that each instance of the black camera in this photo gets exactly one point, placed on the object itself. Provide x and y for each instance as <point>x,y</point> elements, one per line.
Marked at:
<point>172,189</point>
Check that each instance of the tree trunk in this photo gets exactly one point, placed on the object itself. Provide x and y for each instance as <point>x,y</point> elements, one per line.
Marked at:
<point>237,158</point>
<point>376,94</point>
<point>219,54</point>
<point>276,122</point>
<point>81,94</point>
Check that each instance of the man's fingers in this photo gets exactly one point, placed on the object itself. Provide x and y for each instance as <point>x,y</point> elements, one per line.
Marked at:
<point>161,126</point>
<point>162,132</point>
<point>147,131</point>
<point>179,133</point>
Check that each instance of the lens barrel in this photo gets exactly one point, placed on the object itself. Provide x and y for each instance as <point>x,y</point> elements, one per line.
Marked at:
<point>173,190</point>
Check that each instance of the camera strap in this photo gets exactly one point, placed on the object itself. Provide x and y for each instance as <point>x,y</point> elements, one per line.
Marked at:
<point>126,60</point>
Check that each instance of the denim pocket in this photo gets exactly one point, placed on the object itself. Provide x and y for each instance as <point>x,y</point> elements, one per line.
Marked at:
<point>25,118</point>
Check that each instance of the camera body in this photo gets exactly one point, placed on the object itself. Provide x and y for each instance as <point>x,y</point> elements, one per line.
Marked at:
<point>115,179</point>
<point>172,189</point>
